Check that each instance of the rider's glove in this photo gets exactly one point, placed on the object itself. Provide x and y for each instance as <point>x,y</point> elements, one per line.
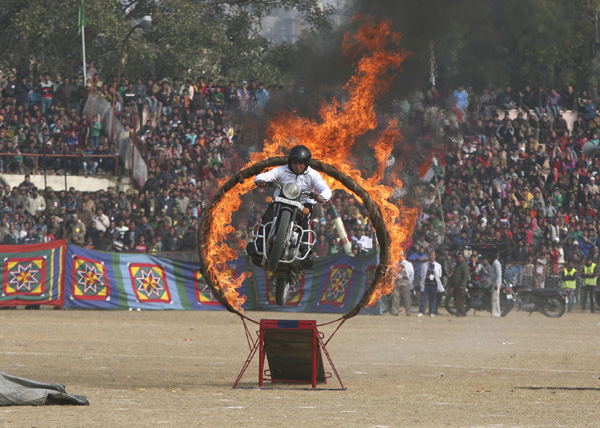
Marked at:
<point>320,199</point>
<point>261,184</point>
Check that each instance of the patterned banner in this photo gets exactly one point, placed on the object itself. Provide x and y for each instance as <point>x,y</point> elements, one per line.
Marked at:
<point>98,280</point>
<point>335,286</point>
<point>32,274</point>
<point>60,274</point>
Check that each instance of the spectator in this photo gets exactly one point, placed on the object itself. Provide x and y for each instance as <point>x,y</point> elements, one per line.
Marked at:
<point>102,221</point>
<point>590,279</point>
<point>431,284</point>
<point>76,230</point>
<point>95,128</point>
<point>589,110</point>
<point>496,280</point>
<point>261,96</point>
<point>172,242</point>
<point>461,98</point>
<point>243,96</point>
<point>554,103</point>
<point>47,90</point>
<point>22,90</point>
<point>568,283</point>
<point>458,283</point>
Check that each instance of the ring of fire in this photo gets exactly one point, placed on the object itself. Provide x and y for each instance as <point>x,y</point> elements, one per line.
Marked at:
<point>207,242</point>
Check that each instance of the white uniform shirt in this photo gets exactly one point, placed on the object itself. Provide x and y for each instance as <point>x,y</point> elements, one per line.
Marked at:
<point>408,272</point>
<point>309,181</point>
<point>437,272</point>
<point>496,273</point>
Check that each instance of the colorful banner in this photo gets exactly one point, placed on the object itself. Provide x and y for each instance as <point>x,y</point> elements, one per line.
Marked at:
<point>73,277</point>
<point>335,286</point>
<point>98,280</point>
<point>32,274</point>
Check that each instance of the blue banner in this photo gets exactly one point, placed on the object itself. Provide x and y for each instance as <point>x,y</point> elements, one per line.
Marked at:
<point>73,277</point>
<point>336,285</point>
<point>99,280</point>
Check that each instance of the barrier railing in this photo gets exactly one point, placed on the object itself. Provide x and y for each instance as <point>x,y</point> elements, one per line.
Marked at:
<point>50,162</point>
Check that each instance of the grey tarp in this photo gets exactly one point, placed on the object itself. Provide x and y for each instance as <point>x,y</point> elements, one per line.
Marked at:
<point>17,391</point>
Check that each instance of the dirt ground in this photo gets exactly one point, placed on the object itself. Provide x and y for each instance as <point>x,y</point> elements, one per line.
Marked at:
<point>176,369</point>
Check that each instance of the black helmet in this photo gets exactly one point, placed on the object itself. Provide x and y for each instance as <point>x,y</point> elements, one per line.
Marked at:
<point>300,154</point>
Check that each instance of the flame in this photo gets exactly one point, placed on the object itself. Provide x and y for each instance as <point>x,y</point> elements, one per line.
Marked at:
<point>330,140</point>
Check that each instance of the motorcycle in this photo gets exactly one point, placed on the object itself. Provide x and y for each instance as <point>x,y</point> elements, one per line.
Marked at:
<point>480,299</point>
<point>549,301</point>
<point>283,243</point>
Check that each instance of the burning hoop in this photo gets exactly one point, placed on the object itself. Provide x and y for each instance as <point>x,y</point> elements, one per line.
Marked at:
<point>210,273</point>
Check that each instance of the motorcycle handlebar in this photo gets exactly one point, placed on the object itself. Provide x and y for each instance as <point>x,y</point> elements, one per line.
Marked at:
<point>311,195</point>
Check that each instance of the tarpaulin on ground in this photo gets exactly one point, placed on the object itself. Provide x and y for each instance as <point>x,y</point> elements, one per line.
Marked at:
<point>18,391</point>
<point>336,285</point>
<point>99,280</point>
<point>32,274</point>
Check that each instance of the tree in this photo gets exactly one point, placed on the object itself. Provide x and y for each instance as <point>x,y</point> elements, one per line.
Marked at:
<point>189,37</point>
<point>481,44</point>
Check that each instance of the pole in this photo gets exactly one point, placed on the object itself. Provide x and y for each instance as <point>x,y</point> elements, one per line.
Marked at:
<point>432,64</point>
<point>132,150</point>
<point>92,94</point>
<point>65,164</point>
<point>114,100</point>
<point>115,88</point>
<point>83,49</point>
<point>439,195</point>
<point>45,166</point>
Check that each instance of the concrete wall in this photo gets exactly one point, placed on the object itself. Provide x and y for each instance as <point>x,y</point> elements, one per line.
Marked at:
<point>57,182</point>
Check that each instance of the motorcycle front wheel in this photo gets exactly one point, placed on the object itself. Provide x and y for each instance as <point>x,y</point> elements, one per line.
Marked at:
<point>505,305</point>
<point>278,241</point>
<point>282,290</point>
<point>554,308</point>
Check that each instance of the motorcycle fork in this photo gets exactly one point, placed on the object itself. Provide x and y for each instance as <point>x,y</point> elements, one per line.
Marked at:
<point>278,209</point>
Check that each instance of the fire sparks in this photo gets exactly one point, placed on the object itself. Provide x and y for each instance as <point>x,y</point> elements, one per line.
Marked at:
<point>330,140</point>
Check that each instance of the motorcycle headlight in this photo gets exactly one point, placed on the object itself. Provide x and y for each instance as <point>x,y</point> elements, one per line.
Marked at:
<point>291,190</point>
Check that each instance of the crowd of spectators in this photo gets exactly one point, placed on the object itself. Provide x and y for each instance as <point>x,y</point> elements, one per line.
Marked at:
<point>186,140</point>
<point>522,187</point>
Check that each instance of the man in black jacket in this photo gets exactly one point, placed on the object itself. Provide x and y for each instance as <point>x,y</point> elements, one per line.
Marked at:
<point>458,283</point>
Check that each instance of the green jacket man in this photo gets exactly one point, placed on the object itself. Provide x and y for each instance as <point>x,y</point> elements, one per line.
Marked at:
<point>568,281</point>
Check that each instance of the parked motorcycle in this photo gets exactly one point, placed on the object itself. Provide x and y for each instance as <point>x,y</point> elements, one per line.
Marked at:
<point>283,243</point>
<point>480,299</point>
<point>549,301</point>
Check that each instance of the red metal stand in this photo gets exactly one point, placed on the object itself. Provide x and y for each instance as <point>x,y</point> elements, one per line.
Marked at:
<point>293,351</point>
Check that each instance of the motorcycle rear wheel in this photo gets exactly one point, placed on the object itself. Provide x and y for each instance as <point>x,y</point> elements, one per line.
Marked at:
<point>505,305</point>
<point>450,304</point>
<point>555,308</point>
<point>282,290</point>
<point>278,241</point>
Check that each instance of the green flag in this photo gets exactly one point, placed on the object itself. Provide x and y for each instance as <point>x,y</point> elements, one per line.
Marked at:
<point>80,18</point>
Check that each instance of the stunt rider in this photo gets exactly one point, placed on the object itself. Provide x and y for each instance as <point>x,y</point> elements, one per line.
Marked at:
<point>297,171</point>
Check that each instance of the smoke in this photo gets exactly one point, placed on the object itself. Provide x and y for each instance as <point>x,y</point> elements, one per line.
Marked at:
<point>320,69</point>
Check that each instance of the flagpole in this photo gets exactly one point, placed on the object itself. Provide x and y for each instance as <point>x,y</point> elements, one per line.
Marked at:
<point>83,49</point>
<point>81,25</point>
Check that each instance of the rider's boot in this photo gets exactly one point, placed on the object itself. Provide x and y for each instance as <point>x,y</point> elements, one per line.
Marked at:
<point>251,251</point>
